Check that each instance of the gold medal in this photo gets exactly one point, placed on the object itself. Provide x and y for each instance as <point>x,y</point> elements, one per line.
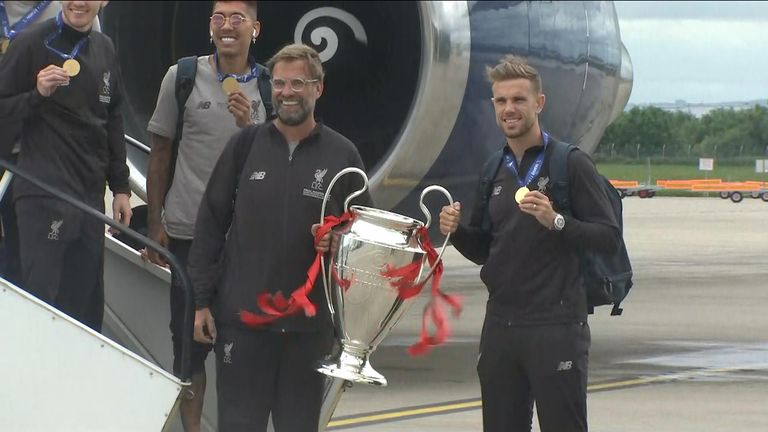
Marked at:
<point>520,194</point>
<point>72,67</point>
<point>230,85</point>
<point>4,46</point>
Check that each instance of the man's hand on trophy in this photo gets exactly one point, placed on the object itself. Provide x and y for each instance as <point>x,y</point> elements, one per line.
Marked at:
<point>205,326</point>
<point>325,242</point>
<point>449,218</point>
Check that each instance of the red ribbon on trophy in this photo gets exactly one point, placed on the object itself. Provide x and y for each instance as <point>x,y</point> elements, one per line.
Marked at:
<point>404,280</point>
<point>276,306</point>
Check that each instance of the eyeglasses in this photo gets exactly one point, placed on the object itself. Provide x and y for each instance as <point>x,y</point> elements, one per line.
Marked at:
<point>297,84</point>
<point>235,20</point>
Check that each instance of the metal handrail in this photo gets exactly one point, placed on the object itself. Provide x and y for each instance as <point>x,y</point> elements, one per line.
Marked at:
<point>137,179</point>
<point>138,144</point>
<point>133,235</point>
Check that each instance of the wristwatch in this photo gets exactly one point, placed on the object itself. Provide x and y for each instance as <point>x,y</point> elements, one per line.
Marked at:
<point>559,223</point>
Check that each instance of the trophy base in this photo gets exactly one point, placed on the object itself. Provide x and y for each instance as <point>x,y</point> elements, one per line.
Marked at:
<point>352,368</point>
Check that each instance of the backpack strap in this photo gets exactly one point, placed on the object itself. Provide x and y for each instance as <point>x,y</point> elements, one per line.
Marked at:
<point>558,175</point>
<point>186,70</point>
<point>481,217</point>
<point>265,89</point>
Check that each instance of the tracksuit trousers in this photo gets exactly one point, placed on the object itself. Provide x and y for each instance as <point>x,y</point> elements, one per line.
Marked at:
<point>518,365</point>
<point>62,257</point>
<point>259,372</point>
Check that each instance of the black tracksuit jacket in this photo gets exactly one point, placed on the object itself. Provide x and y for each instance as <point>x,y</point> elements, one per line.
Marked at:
<point>277,198</point>
<point>74,138</point>
<point>532,273</point>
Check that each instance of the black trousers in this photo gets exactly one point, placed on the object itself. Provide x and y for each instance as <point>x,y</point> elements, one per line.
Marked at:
<point>199,351</point>
<point>545,364</point>
<point>258,372</point>
<point>62,257</point>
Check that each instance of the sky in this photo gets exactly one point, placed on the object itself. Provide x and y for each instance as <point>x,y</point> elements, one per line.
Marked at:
<point>700,52</point>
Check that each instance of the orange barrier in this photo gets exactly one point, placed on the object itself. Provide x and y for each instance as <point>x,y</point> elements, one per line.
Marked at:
<point>760,185</point>
<point>683,186</point>
<point>697,185</point>
<point>727,187</point>
<point>624,183</point>
<point>686,184</point>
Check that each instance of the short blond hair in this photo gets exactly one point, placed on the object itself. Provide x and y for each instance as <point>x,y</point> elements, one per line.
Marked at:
<point>299,52</point>
<point>512,67</point>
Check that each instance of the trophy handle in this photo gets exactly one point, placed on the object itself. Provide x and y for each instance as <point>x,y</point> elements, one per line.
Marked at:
<point>346,208</point>
<point>425,210</point>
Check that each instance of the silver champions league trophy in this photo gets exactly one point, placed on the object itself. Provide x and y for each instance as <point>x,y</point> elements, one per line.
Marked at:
<point>364,305</point>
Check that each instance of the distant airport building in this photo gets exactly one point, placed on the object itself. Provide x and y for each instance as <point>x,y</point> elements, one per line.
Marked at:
<point>699,109</point>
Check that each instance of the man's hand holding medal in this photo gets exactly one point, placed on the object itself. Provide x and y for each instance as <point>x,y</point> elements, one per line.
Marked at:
<point>237,102</point>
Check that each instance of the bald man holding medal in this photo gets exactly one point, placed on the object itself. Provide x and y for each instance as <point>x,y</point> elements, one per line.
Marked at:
<point>187,139</point>
<point>61,81</point>
<point>535,339</point>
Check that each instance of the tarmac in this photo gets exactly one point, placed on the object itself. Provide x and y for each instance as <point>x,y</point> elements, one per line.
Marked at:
<point>690,352</point>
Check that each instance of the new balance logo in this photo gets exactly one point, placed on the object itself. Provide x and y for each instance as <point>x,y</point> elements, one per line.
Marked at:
<point>258,175</point>
<point>55,227</point>
<point>204,105</point>
<point>565,365</point>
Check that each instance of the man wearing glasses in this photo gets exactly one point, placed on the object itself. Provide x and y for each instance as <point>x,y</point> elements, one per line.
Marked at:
<point>225,97</point>
<point>260,207</point>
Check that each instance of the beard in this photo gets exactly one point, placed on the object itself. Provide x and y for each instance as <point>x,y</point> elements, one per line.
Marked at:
<point>297,117</point>
<point>527,125</point>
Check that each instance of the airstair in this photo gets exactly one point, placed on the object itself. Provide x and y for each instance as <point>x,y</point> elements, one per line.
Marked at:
<point>58,375</point>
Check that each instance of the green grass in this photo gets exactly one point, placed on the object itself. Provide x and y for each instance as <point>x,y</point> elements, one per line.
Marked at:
<point>641,173</point>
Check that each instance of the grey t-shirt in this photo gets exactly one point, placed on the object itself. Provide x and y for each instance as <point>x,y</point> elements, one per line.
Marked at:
<point>208,125</point>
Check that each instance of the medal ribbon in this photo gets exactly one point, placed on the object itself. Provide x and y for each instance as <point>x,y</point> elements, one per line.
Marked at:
<point>10,32</point>
<point>276,306</point>
<point>253,73</point>
<point>403,279</point>
<point>78,46</point>
<point>533,171</point>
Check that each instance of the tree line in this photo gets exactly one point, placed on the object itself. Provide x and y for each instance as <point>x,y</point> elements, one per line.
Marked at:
<point>650,131</point>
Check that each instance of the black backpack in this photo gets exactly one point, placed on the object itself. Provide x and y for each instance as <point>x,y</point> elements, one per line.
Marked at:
<point>185,82</point>
<point>607,277</point>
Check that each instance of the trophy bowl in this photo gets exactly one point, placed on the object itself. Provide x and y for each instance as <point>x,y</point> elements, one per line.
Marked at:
<point>364,304</point>
<point>371,254</point>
